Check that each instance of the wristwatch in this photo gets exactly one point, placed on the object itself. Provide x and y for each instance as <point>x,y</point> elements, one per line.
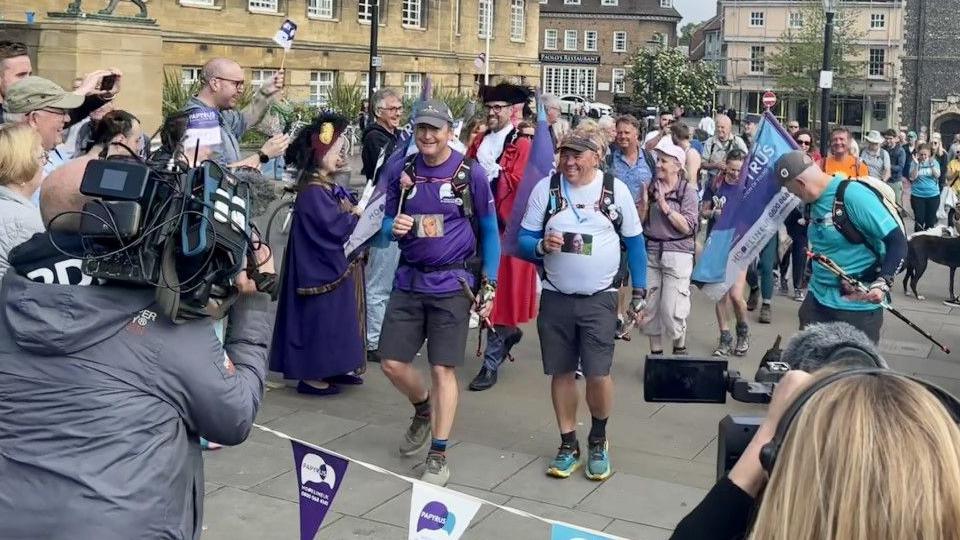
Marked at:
<point>263,157</point>
<point>882,283</point>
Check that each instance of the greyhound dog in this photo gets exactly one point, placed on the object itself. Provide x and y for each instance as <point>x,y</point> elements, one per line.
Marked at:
<point>940,245</point>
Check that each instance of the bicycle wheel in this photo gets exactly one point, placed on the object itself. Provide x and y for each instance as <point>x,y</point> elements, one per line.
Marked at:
<point>278,228</point>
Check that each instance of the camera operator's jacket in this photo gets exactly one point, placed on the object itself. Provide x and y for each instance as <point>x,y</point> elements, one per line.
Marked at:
<point>102,400</point>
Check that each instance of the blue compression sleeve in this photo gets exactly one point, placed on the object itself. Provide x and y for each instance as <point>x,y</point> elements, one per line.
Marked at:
<point>896,244</point>
<point>489,245</point>
<point>386,232</point>
<point>527,242</point>
<point>637,260</point>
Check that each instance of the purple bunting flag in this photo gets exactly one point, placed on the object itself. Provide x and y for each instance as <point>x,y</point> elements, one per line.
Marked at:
<point>319,476</point>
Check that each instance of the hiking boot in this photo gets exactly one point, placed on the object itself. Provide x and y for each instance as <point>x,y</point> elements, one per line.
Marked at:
<point>436,471</point>
<point>753,298</point>
<point>484,380</point>
<point>765,314</point>
<point>799,295</point>
<point>743,339</point>
<point>417,436</point>
<point>726,344</point>
<point>598,461</point>
<point>566,463</point>
<point>784,289</point>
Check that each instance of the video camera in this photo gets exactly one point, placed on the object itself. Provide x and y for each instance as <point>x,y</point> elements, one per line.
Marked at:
<point>683,379</point>
<point>182,230</point>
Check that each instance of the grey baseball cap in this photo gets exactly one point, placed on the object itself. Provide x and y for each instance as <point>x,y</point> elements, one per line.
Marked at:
<point>434,113</point>
<point>792,164</point>
<point>578,144</point>
<point>35,93</point>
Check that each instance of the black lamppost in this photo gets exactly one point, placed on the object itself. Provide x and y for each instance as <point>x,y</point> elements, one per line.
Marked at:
<point>375,60</point>
<point>826,76</point>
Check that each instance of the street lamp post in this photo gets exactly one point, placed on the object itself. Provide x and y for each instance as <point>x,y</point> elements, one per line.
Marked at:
<point>653,45</point>
<point>826,76</point>
<point>374,58</point>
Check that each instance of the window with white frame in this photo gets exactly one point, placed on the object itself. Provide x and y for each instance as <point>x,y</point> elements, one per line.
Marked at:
<point>260,77</point>
<point>796,19</point>
<point>412,13</point>
<point>321,9</point>
<point>756,18</point>
<point>666,3</point>
<point>875,67</point>
<point>619,42</point>
<point>757,55</point>
<point>617,81</point>
<point>412,85</point>
<point>571,2</point>
<point>365,82</point>
<point>365,10</point>
<point>570,80</point>
<point>485,18</point>
<point>543,1</point>
<point>517,19</point>
<point>878,21</point>
<point>590,40</point>
<point>609,2</point>
<point>209,3</point>
<point>321,82</point>
<point>569,40</point>
<point>550,39</point>
<point>190,75</point>
<point>263,5</point>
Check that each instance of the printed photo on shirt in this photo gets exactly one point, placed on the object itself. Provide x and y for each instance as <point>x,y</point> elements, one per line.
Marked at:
<point>577,243</point>
<point>429,225</point>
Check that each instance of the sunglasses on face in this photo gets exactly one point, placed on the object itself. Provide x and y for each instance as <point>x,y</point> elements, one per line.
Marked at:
<point>803,142</point>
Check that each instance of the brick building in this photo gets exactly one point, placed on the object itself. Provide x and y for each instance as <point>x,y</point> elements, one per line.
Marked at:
<point>439,38</point>
<point>586,45</point>
<point>931,68</point>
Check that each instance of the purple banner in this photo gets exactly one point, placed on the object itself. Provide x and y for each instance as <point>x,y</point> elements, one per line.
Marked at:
<point>319,476</point>
<point>539,166</point>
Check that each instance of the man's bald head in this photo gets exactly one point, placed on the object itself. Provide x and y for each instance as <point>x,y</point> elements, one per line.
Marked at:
<point>223,83</point>
<point>60,196</point>
<point>221,67</point>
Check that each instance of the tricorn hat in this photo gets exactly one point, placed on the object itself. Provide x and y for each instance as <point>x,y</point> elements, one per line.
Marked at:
<point>511,94</point>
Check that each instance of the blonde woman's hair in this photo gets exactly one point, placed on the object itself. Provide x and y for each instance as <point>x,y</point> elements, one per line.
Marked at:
<point>589,129</point>
<point>869,457</point>
<point>19,154</point>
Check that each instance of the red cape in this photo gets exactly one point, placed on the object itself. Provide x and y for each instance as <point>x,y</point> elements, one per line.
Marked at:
<point>516,301</point>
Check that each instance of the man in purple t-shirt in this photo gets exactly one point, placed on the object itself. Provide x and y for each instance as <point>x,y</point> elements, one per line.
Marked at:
<point>434,204</point>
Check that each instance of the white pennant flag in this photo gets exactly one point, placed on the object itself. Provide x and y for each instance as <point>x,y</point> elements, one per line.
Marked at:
<point>439,514</point>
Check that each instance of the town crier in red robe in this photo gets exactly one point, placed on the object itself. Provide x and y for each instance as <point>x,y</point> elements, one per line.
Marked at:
<point>503,154</point>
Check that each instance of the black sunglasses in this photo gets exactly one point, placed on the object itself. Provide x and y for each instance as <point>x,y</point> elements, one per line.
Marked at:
<point>803,142</point>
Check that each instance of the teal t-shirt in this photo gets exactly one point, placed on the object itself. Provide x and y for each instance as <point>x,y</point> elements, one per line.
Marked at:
<point>870,217</point>
<point>927,183</point>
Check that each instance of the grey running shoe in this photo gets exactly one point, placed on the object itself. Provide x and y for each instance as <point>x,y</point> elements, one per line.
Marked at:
<point>436,471</point>
<point>726,344</point>
<point>743,340</point>
<point>765,314</point>
<point>799,295</point>
<point>416,437</point>
<point>784,289</point>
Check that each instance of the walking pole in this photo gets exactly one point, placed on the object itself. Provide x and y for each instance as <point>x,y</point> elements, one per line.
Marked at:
<point>835,269</point>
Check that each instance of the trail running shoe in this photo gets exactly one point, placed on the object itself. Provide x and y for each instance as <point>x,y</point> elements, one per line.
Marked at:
<point>753,298</point>
<point>598,462</point>
<point>784,289</point>
<point>416,437</point>
<point>743,340</point>
<point>566,463</point>
<point>436,471</point>
<point>799,295</point>
<point>765,314</point>
<point>726,344</point>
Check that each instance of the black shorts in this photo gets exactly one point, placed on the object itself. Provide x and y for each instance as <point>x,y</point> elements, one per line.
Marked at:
<point>577,330</point>
<point>868,322</point>
<point>411,318</point>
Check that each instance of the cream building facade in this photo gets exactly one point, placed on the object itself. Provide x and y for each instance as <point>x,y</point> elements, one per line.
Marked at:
<point>417,38</point>
<point>749,34</point>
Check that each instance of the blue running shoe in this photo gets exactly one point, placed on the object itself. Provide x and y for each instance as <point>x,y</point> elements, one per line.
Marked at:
<point>598,463</point>
<point>566,463</point>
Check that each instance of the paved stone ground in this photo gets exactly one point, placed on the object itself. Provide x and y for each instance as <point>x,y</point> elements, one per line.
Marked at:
<point>663,455</point>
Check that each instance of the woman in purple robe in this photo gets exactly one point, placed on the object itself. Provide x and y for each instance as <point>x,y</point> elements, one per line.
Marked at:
<point>318,337</point>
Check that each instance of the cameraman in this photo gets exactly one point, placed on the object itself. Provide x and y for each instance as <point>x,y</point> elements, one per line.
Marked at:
<point>869,456</point>
<point>104,399</point>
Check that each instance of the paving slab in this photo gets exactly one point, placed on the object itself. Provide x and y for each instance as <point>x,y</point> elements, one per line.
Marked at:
<point>361,490</point>
<point>396,511</point>
<point>503,524</point>
<point>484,467</point>
<point>643,500</point>
<point>700,474</point>
<point>378,445</point>
<point>311,426</point>
<point>912,349</point>
<point>637,531</point>
<point>532,482</point>
<point>246,465</point>
<point>348,527</point>
<point>234,514</point>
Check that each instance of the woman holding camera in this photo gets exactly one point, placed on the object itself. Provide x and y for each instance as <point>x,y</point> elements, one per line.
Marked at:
<point>318,337</point>
<point>848,455</point>
<point>21,165</point>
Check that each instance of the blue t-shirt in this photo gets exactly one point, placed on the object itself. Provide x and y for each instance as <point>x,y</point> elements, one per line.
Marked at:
<point>927,183</point>
<point>636,176</point>
<point>870,217</point>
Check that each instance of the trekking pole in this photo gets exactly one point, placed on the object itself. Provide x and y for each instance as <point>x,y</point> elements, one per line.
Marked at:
<point>835,269</point>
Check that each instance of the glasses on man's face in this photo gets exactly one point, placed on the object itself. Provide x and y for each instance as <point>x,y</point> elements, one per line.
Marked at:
<point>494,107</point>
<point>55,112</point>
<point>803,142</point>
<point>392,109</point>
<point>238,85</point>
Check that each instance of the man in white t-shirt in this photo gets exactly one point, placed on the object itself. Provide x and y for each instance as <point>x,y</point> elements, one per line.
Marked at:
<point>573,225</point>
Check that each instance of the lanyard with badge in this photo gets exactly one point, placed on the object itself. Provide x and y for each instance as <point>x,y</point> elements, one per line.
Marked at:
<point>565,185</point>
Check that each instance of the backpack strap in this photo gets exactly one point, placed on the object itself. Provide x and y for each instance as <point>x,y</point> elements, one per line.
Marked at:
<point>607,201</point>
<point>555,200</point>
<point>842,221</point>
<point>648,157</point>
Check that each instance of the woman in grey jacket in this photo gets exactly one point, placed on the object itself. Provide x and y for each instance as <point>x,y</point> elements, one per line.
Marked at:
<point>21,165</point>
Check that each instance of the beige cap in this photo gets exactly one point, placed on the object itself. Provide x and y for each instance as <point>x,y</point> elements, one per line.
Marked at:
<point>35,93</point>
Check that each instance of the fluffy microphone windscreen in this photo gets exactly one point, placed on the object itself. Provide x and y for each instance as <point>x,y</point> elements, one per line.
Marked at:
<point>835,343</point>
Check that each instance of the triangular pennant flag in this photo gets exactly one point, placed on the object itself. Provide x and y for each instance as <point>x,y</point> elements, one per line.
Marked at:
<point>439,514</point>
<point>319,476</point>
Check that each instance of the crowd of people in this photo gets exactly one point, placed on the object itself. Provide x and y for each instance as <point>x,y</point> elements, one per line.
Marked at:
<point>605,244</point>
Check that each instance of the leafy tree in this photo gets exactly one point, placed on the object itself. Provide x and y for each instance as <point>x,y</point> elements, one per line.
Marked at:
<point>686,32</point>
<point>675,80</point>
<point>799,56</point>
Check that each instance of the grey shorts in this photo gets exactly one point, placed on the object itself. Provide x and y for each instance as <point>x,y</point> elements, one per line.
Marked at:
<point>577,330</point>
<point>411,318</point>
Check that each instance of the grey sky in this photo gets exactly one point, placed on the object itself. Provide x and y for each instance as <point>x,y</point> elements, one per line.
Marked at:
<point>695,10</point>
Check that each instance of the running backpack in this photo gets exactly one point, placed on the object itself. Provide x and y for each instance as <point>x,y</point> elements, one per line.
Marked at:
<point>606,203</point>
<point>884,193</point>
